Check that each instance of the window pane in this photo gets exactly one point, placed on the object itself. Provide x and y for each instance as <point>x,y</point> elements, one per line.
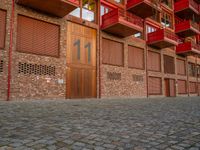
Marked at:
<point>167,2</point>
<point>119,1</point>
<point>138,35</point>
<point>88,15</point>
<point>76,13</point>
<point>102,10</point>
<point>166,20</point>
<point>89,10</point>
<point>150,29</point>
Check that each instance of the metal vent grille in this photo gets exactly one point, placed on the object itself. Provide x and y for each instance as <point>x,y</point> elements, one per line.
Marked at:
<point>113,76</point>
<point>1,66</point>
<point>36,69</point>
<point>137,78</point>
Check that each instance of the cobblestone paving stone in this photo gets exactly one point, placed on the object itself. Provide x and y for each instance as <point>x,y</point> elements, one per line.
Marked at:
<point>125,124</point>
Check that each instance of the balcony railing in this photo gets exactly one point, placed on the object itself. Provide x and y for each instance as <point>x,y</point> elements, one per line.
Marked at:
<point>194,25</point>
<point>187,28</point>
<point>77,2</point>
<point>143,8</point>
<point>181,4</point>
<point>188,48</point>
<point>186,8</point>
<point>162,38</point>
<point>194,4</point>
<point>121,23</point>
<point>58,8</point>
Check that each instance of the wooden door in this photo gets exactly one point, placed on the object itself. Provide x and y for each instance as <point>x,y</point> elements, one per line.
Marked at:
<point>199,89</point>
<point>170,88</point>
<point>167,88</point>
<point>81,61</point>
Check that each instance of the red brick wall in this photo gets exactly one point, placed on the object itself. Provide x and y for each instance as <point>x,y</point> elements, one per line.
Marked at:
<point>132,82</point>
<point>112,81</point>
<point>5,5</point>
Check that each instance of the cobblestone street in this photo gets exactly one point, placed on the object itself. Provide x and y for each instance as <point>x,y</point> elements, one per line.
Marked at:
<point>135,124</point>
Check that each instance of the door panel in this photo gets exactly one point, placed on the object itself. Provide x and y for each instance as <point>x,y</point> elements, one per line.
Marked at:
<point>81,62</point>
<point>199,89</point>
<point>170,88</point>
<point>89,83</point>
<point>75,83</point>
<point>167,90</point>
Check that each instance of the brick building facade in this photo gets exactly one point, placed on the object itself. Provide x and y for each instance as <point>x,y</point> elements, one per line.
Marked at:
<point>99,49</point>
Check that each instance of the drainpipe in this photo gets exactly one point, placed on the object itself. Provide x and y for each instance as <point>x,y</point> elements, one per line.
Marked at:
<point>99,47</point>
<point>145,39</point>
<point>10,48</point>
<point>188,83</point>
<point>198,69</point>
<point>196,74</point>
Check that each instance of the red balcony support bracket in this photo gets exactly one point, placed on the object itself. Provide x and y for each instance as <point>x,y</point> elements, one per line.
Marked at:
<point>59,8</point>
<point>187,28</point>
<point>188,48</point>
<point>121,23</point>
<point>162,38</point>
<point>138,6</point>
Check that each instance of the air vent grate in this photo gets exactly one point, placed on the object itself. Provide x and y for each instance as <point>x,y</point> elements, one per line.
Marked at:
<point>1,66</point>
<point>113,76</point>
<point>36,69</point>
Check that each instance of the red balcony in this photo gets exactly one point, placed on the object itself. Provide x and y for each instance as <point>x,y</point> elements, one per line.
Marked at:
<point>121,23</point>
<point>58,8</point>
<point>162,38</point>
<point>188,48</point>
<point>187,28</point>
<point>143,8</point>
<point>198,38</point>
<point>186,9</point>
<point>197,1</point>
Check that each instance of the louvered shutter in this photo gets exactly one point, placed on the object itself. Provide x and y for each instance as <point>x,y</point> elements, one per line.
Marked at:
<point>2,28</point>
<point>169,66</point>
<point>113,52</point>
<point>181,67</point>
<point>182,87</point>
<point>135,57</point>
<point>154,86</point>
<point>154,61</point>
<point>37,37</point>
<point>193,88</point>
